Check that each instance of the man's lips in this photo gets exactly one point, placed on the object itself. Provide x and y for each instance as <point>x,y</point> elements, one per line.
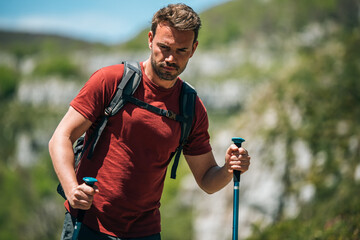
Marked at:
<point>170,67</point>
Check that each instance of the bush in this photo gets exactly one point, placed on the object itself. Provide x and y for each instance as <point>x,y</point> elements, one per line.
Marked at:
<point>61,66</point>
<point>8,82</point>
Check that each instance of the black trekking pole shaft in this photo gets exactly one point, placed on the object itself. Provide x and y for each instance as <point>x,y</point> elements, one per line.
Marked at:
<point>81,213</point>
<point>236,177</point>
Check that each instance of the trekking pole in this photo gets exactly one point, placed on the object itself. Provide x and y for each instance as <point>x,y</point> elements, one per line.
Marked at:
<point>237,141</point>
<point>90,182</point>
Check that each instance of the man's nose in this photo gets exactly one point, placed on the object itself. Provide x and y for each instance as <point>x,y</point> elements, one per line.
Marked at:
<point>170,58</point>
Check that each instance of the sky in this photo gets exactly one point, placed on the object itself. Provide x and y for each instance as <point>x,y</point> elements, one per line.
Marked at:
<point>106,21</point>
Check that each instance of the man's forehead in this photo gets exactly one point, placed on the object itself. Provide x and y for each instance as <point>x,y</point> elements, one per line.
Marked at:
<point>167,34</point>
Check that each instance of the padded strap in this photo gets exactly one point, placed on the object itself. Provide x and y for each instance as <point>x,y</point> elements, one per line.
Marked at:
<point>151,108</point>
<point>96,136</point>
<point>131,79</point>
<point>187,110</point>
<point>129,83</point>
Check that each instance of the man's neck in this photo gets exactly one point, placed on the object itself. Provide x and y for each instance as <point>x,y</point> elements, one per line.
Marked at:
<point>154,78</point>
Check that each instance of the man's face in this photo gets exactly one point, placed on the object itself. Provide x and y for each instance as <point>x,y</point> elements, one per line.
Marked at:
<point>171,50</point>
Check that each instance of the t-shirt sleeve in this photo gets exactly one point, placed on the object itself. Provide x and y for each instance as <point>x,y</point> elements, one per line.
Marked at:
<point>97,92</point>
<point>199,138</point>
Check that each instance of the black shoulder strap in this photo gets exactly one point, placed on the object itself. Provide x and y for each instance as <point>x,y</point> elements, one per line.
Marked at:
<point>151,108</point>
<point>128,85</point>
<point>187,111</point>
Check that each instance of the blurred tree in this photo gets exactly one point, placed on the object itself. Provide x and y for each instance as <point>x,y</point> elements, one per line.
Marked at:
<point>8,82</point>
<point>323,87</point>
<point>61,65</point>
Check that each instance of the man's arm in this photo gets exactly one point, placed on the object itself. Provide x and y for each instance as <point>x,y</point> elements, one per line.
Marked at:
<point>71,127</point>
<point>211,177</point>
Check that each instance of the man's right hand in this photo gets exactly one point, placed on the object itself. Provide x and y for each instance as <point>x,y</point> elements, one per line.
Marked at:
<point>71,127</point>
<point>81,197</point>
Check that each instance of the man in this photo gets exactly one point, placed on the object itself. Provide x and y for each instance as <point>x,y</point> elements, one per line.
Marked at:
<point>131,157</point>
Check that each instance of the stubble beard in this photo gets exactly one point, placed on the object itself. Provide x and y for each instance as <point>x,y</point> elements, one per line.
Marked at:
<point>163,74</point>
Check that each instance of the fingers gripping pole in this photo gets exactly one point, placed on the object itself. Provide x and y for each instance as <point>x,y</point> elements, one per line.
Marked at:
<point>81,213</point>
<point>237,141</point>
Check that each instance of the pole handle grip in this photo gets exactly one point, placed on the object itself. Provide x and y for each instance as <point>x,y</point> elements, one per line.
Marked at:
<point>90,181</point>
<point>237,141</point>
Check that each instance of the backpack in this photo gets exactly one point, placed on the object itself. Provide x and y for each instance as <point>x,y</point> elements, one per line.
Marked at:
<point>130,81</point>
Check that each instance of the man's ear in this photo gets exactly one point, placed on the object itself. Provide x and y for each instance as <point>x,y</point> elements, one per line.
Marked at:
<point>150,39</point>
<point>195,44</point>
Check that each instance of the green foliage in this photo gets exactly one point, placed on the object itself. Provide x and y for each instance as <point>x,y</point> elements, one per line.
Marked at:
<point>26,44</point>
<point>332,216</point>
<point>175,217</point>
<point>43,180</point>
<point>22,216</point>
<point>60,65</point>
<point>8,82</point>
<point>24,188</point>
<point>322,85</point>
<point>14,192</point>
<point>138,43</point>
<point>245,20</point>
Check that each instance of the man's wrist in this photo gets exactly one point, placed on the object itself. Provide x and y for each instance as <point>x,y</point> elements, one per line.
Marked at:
<point>226,171</point>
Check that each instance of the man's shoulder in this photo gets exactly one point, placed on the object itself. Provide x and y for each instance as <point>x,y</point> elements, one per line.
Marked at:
<point>116,69</point>
<point>108,75</point>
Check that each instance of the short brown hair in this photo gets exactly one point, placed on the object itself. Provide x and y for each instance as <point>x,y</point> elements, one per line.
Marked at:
<point>180,16</point>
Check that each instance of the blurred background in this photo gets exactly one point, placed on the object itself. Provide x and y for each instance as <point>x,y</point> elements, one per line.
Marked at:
<point>284,75</point>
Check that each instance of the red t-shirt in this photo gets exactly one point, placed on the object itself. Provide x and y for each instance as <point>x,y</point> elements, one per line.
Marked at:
<point>131,157</point>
